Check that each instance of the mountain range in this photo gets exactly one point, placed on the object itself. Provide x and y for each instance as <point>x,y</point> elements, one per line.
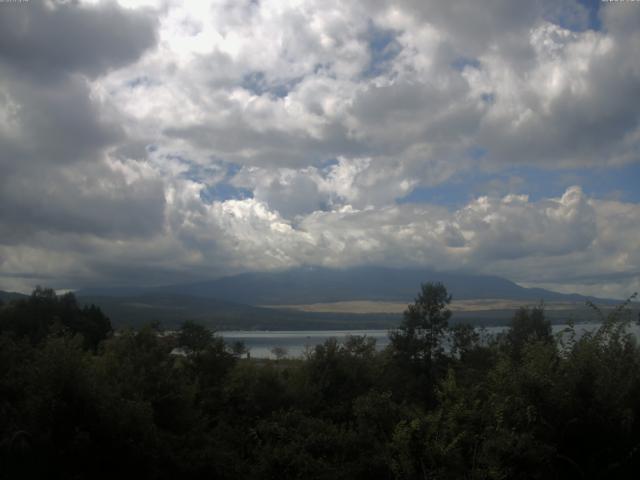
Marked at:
<point>321,285</point>
<point>239,301</point>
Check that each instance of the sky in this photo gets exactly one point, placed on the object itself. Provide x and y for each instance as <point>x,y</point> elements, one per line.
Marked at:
<point>148,143</point>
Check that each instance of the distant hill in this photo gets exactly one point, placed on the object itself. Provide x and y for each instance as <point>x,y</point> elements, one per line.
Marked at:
<point>235,302</point>
<point>8,296</point>
<point>172,309</point>
<point>321,285</point>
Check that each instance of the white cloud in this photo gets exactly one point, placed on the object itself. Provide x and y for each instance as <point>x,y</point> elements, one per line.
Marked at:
<point>571,239</point>
<point>327,113</point>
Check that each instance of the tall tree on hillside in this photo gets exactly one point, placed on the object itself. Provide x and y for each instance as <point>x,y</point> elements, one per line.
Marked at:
<point>416,347</point>
<point>419,337</point>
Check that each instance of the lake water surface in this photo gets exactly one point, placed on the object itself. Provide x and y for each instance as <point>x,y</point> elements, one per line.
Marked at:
<point>296,343</point>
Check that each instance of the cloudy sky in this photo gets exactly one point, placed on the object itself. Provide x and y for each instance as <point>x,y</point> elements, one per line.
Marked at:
<point>152,143</point>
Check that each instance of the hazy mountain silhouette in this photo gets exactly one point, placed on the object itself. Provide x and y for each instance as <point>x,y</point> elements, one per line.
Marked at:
<point>318,285</point>
<point>234,302</point>
<point>8,296</point>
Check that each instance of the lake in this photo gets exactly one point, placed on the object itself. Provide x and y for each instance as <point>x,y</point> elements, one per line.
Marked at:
<point>296,343</point>
<point>260,343</point>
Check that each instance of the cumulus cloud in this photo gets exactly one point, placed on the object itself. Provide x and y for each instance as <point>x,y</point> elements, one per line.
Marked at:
<point>56,170</point>
<point>151,142</point>
<point>570,239</point>
<point>512,227</point>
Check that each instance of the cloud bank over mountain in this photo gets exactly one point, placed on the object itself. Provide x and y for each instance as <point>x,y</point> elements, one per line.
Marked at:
<point>154,142</point>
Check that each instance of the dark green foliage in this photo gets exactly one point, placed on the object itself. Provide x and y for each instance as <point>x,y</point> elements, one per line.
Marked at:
<point>439,402</point>
<point>337,374</point>
<point>527,326</point>
<point>417,346</point>
<point>420,334</point>
<point>194,338</point>
<point>418,340</point>
<point>44,313</point>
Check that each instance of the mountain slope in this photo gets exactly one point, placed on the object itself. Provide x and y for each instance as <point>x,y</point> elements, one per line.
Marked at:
<point>234,302</point>
<point>8,296</point>
<point>171,310</point>
<point>320,285</point>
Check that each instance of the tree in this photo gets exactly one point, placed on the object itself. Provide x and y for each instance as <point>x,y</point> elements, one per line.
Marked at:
<point>417,355</point>
<point>419,337</point>
<point>238,349</point>
<point>528,325</point>
<point>464,339</point>
<point>279,352</point>
<point>44,313</point>
<point>194,338</point>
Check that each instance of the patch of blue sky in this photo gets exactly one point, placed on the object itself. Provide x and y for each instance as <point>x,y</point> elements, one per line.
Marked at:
<point>383,47</point>
<point>488,97</point>
<point>232,169</point>
<point>477,152</point>
<point>220,189</point>
<point>593,7</point>
<point>321,67</point>
<point>448,194</point>
<point>461,63</point>
<point>611,183</point>
<point>202,173</point>
<point>141,81</point>
<point>585,15</point>
<point>258,84</point>
<point>326,164</point>
<point>219,171</point>
<point>616,183</point>
<point>223,191</point>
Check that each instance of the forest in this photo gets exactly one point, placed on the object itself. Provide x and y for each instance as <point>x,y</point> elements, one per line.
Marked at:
<point>80,400</point>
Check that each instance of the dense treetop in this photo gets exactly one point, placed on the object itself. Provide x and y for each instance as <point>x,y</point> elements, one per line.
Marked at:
<point>77,401</point>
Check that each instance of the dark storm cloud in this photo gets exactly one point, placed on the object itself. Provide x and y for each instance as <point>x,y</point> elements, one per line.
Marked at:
<point>54,174</point>
<point>56,122</point>
<point>93,200</point>
<point>49,40</point>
